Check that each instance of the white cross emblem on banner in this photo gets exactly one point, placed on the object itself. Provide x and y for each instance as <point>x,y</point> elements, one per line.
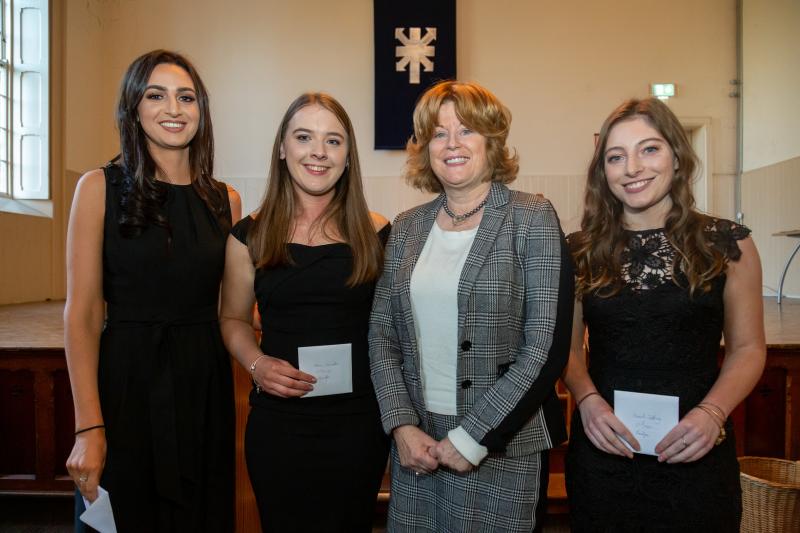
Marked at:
<point>415,51</point>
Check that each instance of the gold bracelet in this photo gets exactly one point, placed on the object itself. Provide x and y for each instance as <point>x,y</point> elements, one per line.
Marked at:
<point>705,408</point>
<point>722,434</point>
<point>710,413</point>
<point>715,408</point>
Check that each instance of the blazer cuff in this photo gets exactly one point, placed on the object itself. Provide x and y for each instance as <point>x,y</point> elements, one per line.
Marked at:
<point>399,417</point>
<point>467,446</point>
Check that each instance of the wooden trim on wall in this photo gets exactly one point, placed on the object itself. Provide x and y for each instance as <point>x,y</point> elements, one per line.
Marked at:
<point>58,191</point>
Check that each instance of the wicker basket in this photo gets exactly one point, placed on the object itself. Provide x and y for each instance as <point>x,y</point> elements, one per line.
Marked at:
<point>770,495</point>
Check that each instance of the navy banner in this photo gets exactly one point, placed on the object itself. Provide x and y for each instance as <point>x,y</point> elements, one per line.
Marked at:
<point>415,46</point>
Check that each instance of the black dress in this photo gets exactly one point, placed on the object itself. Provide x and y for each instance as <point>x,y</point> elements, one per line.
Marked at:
<point>653,337</point>
<point>316,464</point>
<point>164,376</point>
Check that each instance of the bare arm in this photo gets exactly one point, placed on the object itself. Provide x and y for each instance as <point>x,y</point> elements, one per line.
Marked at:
<point>600,424</point>
<point>745,354</point>
<point>274,375</point>
<point>236,204</point>
<point>83,322</point>
<point>378,220</point>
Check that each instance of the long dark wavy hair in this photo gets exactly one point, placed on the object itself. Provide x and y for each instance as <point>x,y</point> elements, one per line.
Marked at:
<point>143,196</point>
<point>267,241</point>
<point>597,249</point>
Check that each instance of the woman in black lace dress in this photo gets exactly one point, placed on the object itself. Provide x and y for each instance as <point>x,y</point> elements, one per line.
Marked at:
<point>659,283</point>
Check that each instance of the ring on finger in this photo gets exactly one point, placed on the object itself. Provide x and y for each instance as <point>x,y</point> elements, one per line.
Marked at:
<point>685,444</point>
<point>83,478</point>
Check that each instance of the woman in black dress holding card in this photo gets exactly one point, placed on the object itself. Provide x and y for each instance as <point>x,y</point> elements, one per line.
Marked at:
<point>658,283</point>
<point>309,257</point>
<point>151,380</point>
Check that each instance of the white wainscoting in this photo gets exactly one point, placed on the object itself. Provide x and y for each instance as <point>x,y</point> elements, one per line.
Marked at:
<point>771,203</point>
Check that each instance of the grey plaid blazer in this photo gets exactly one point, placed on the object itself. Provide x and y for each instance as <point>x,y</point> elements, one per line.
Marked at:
<point>515,300</point>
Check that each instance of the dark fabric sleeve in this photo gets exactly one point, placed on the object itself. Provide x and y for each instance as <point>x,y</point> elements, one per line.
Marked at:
<point>724,234</point>
<point>383,233</point>
<point>242,228</point>
<point>539,394</point>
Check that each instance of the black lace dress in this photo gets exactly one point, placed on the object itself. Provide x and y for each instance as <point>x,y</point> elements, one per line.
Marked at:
<point>652,337</point>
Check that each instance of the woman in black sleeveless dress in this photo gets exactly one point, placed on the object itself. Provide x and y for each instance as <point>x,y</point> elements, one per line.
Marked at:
<point>309,257</point>
<point>152,385</point>
<point>659,284</point>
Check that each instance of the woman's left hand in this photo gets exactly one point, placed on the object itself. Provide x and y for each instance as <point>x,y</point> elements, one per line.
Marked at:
<point>690,440</point>
<point>449,456</point>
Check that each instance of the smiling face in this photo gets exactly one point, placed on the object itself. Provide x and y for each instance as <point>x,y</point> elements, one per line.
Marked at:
<point>457,153</point>
<point>168,111</point>
<point>640,166</point>
<point>315,150</point>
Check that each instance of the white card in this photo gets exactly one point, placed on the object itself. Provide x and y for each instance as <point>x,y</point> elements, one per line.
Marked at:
<point>648,416</point>
<point>98,514</point>
<point>332,365</point>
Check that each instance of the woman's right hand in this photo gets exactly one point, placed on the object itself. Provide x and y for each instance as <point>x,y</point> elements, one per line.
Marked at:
<point>279,378</point>
<point>414,447</point>
<point>604,429</point>
<point>86,461</point>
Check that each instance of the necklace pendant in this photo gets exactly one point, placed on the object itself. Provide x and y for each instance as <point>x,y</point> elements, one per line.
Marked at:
<point>458,220</point>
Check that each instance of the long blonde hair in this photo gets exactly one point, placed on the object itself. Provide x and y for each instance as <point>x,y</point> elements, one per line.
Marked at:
<point>271,232</point>
<point>598,248</point>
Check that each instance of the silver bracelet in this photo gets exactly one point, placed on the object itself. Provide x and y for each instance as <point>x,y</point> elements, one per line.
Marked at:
<point>254,363</point>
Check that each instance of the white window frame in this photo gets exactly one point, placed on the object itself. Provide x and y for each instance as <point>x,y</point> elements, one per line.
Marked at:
<point>25,121</point>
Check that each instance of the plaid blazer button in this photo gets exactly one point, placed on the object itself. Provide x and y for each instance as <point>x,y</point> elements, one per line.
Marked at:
<point>465,346</point>
<point>466,384</point>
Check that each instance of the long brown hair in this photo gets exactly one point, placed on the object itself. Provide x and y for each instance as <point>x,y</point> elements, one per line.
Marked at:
<point>598,248</point>
<point>142,195</point>
<point>477,108</point>
<point>268,239</point>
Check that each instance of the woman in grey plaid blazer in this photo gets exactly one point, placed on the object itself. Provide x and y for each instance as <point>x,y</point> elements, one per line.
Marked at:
<point>470,328</point>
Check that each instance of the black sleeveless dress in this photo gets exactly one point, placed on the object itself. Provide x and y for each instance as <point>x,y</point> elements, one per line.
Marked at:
<point>164,375</point>
<point>316,463</point>
<point>652,337</point>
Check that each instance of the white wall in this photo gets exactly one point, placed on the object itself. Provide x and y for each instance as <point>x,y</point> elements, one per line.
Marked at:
<point>771,65</point>
<point>771,122</point>
<point>560,66</point>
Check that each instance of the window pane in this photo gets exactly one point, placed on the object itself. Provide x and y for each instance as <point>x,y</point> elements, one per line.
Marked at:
<point>3,177</point>
<point>4,141</point>
<point>3,112</point>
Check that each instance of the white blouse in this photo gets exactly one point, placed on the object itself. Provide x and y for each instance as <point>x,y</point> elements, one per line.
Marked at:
<point>434,304</point>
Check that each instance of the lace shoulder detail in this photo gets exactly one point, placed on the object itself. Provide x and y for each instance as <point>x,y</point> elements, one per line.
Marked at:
<point>647,259</point>
<point>723,235</point>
